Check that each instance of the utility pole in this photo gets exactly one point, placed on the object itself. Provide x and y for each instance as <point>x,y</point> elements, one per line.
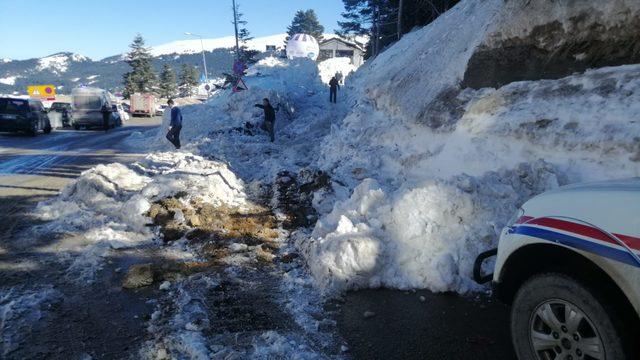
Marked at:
<point>204,59</point>
<point>235,25</point>
<point>400,19</point>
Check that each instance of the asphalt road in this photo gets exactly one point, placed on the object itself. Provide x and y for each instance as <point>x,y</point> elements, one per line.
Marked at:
<point>438,326</point>
<point>34,168</point>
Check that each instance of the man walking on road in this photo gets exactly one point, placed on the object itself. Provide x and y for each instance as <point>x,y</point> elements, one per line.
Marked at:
<point>269,117</point>
<point>333,89</point>
<point>176,124</point>
<point>106,115</point>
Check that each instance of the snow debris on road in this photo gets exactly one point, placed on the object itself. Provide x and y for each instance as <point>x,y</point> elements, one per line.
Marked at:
<point>105,208</point>
<point>20,311</point>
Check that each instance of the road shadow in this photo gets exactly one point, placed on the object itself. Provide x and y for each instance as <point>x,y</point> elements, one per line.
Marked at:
<point>443,326</point>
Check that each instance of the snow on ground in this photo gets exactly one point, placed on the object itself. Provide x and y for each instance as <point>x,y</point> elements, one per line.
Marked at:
<point>328,68</point>
<point>104,209</point>
<point>423,174</point>
<point>436,170</point>
<point>9,80</point>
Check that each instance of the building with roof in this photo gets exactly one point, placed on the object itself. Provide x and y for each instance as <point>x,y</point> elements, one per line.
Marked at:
<point>339,47</point>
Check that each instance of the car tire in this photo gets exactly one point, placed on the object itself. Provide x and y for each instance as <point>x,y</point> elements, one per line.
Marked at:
<point>34,129</point>
<point>539,309</point>
<point>76,126</point>
<point>48,128</point>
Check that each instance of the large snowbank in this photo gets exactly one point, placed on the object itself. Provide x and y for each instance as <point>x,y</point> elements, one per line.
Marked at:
<point>105,207</point>
<point>217,128</point>
<point>437,171</point>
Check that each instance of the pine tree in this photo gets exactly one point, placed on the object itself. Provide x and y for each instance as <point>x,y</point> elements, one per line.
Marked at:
<point>167,86</point>
<point>305,22</point>
<point>142,77</point>
<point>378,19</point>
<point>244,36</point>
<point>188,80</point>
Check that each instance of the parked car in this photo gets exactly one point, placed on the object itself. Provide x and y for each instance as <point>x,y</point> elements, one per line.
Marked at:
<point>64,109</point>
<point>568,264</point>
<point>23,115</point>
<point>87,106</point>
<point>160,109</point>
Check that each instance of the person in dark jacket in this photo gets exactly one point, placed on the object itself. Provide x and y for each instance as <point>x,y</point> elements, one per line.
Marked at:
<point>333,89</point>
<point>176,124</point>
<point>106,115</point>
<point>269,117</point>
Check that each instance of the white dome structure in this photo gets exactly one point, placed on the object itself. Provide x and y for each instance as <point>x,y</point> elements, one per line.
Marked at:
<point>303,46</point>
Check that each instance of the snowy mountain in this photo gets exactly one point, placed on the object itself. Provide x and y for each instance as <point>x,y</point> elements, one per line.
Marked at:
<point>193,46</point>
<point>67,70</point>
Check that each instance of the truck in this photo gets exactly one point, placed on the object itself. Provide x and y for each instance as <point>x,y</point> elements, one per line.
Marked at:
<point>143,104</point>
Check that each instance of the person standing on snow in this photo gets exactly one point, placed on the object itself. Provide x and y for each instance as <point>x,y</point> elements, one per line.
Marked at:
<point>106,115</point>
<point>173,135</point>
<point>269,117</point>
<point>333,89</point>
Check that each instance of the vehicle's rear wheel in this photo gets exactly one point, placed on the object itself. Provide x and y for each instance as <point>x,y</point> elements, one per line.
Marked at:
<point>76,126</point>
<point>34,129</point>
<point>47,128</point>
<point>554,317</point>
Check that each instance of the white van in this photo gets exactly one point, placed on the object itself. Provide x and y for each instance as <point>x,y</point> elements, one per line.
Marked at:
<point>87,104</point>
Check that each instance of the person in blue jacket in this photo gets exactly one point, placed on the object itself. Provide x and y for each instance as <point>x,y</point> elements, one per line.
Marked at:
<point>176,124</point>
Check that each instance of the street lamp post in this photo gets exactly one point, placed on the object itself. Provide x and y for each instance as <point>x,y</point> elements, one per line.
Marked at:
<point>204,60</point>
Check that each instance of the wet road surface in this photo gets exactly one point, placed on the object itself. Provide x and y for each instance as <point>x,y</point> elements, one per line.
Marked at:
<point>67,320</point>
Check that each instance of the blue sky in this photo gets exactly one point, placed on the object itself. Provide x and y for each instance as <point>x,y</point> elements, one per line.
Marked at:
<point>36,28</point>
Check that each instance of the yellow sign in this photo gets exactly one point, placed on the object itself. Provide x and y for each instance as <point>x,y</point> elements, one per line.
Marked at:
<point>42,91</point>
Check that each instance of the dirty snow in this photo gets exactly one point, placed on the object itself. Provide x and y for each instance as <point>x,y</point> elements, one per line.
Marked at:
<point>104,209</point>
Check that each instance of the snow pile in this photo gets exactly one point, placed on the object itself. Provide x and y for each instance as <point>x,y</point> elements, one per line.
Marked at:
<point>218,128</point>
<point>328,68</point>
<point>437,170</point>
<point>105,207</point>
<point>20,311</point>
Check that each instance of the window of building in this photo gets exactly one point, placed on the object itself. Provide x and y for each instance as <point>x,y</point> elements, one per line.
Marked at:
<point>344,53</point>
